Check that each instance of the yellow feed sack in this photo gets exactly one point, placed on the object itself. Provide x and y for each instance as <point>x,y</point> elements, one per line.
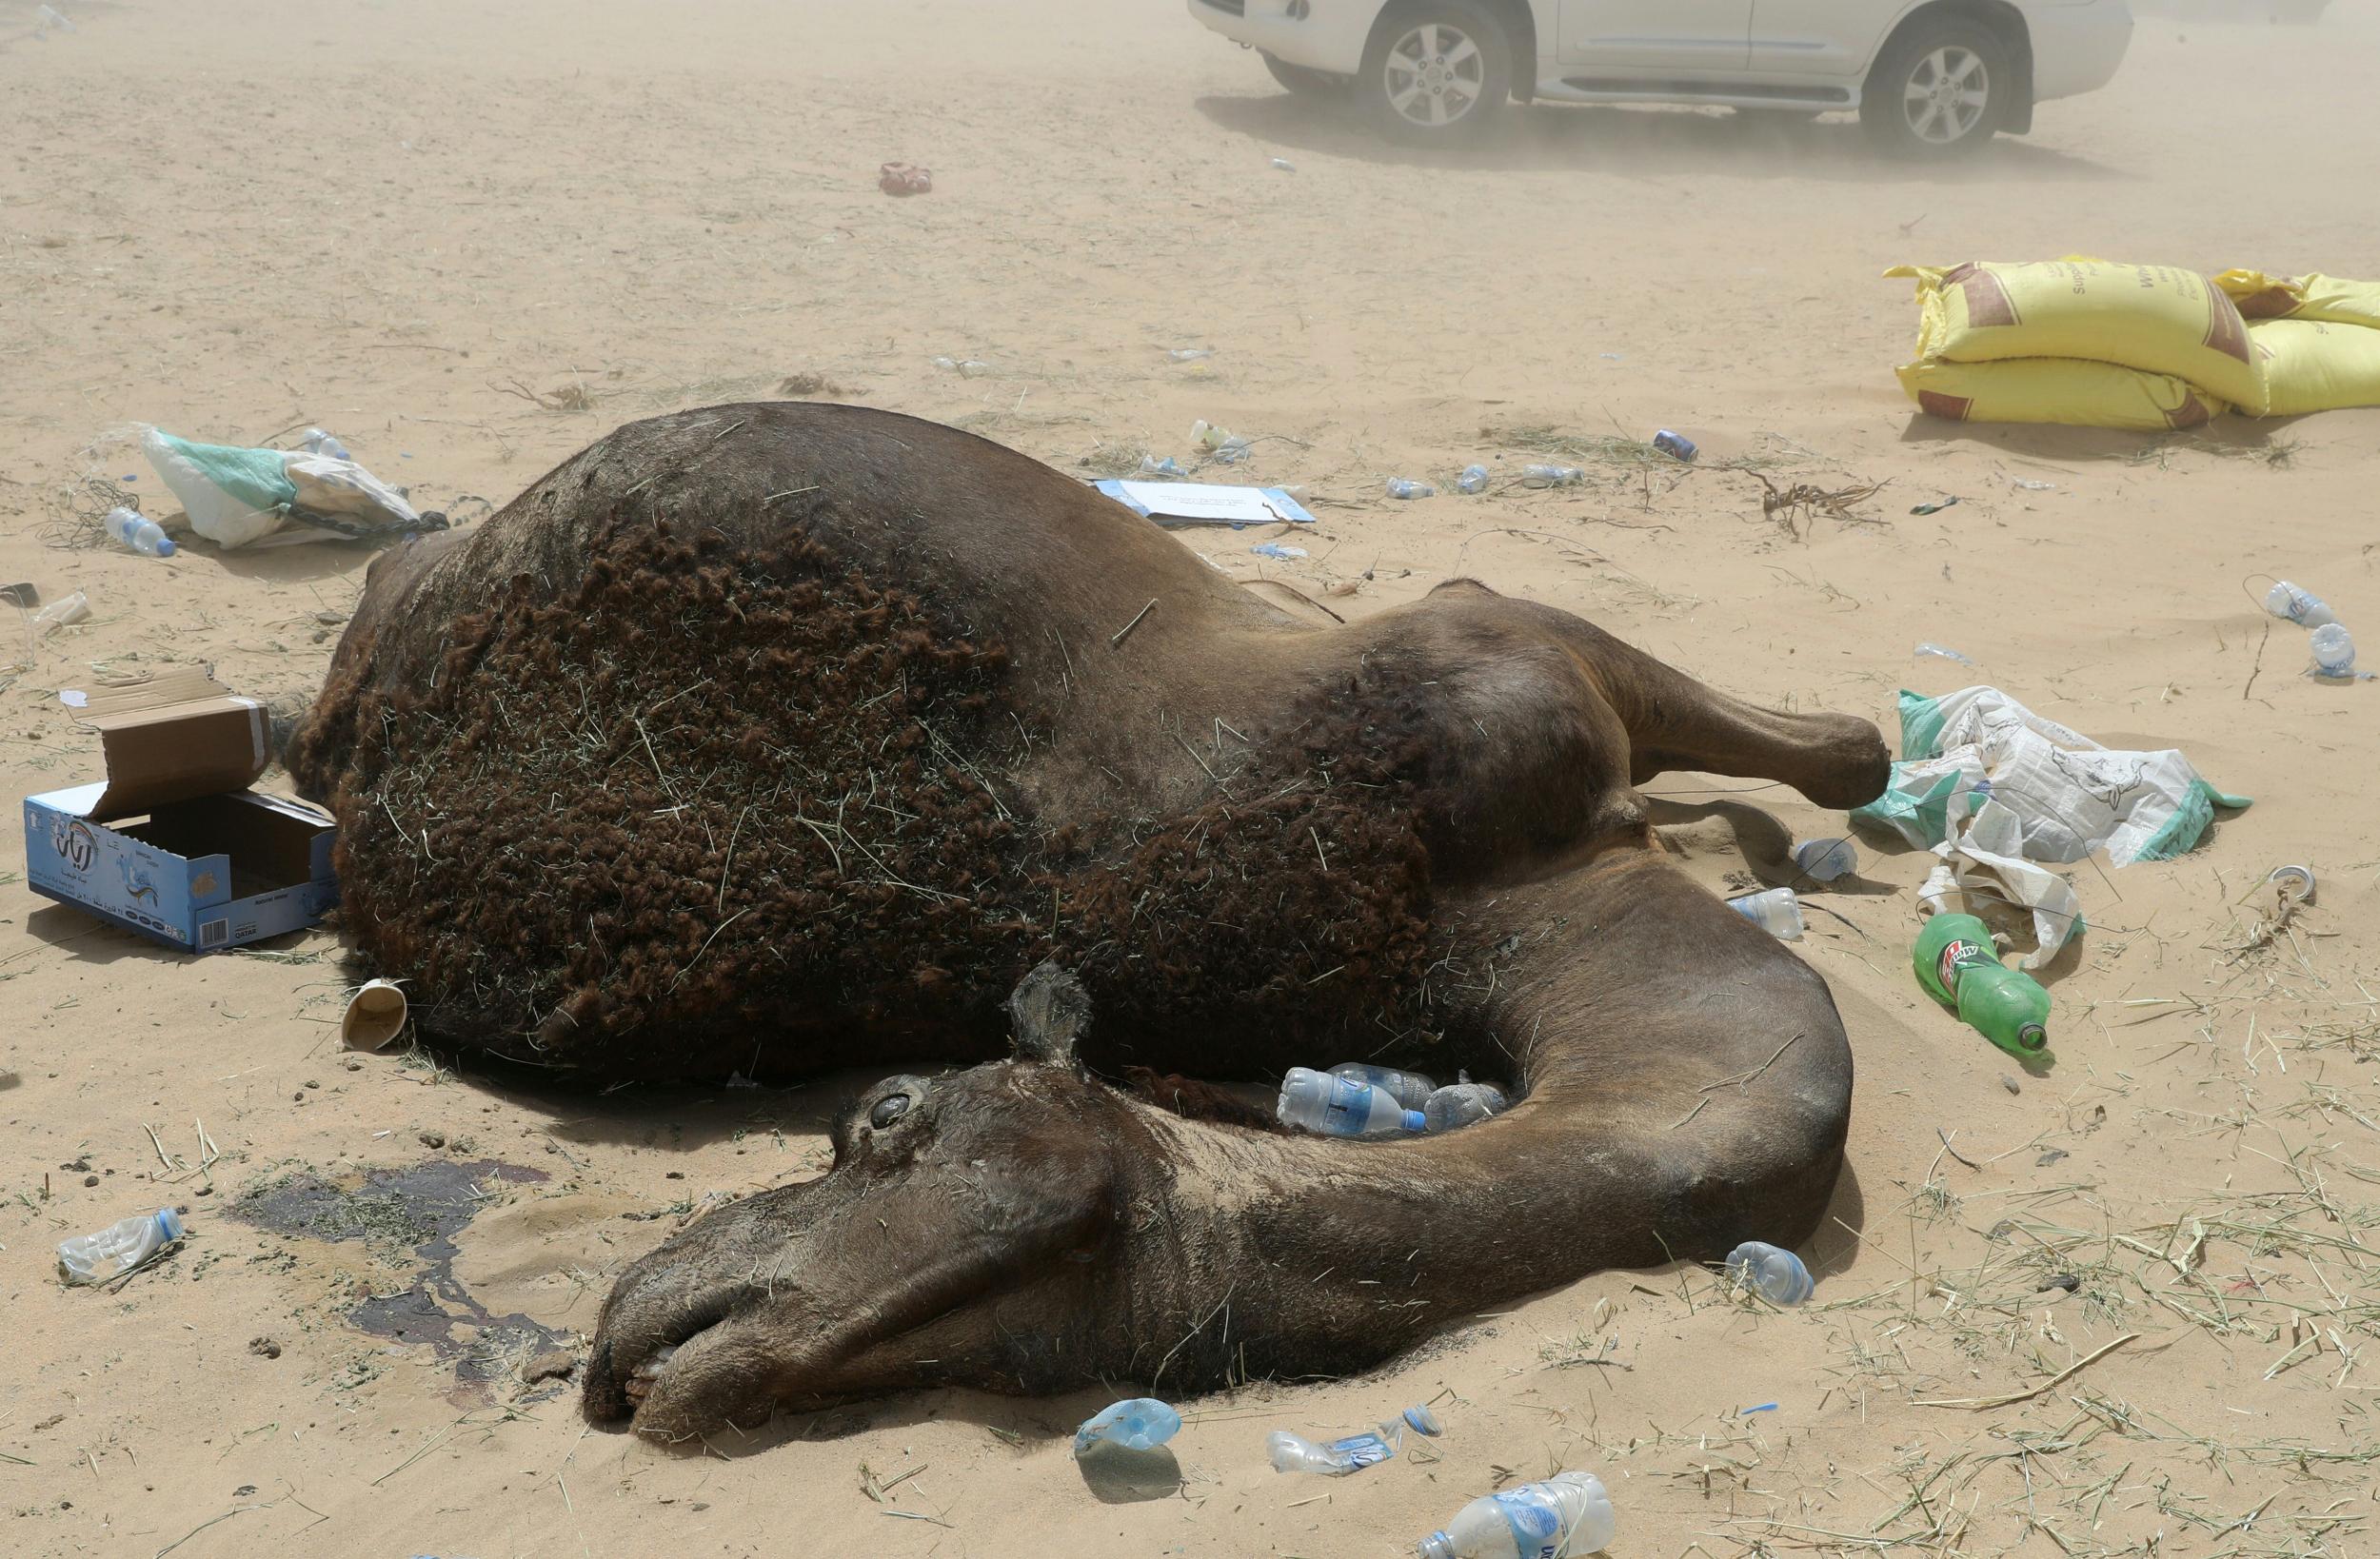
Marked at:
<point>2054,390</point>
<point>2310,365</point>
<point>2315,297</point>
<point>2157,319</point>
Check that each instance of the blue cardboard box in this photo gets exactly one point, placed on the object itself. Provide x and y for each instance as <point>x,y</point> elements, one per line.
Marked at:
<point>173,843</point>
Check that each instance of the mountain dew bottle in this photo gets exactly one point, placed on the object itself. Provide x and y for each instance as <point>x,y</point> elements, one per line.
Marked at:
<point>1959,968</point>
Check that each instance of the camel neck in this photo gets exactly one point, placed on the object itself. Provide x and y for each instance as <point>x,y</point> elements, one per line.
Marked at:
<point>1688,1086</point>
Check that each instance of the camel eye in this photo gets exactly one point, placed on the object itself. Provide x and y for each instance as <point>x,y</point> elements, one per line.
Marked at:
<point>888,1109</point>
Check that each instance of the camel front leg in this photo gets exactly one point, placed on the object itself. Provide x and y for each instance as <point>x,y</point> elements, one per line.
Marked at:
<point>1676,722</point>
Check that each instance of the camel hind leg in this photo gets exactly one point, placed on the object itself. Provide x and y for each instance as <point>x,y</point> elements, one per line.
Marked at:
<point>1676,722</point>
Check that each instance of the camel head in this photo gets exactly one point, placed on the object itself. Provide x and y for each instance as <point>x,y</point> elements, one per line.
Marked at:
<point>957,1238</point>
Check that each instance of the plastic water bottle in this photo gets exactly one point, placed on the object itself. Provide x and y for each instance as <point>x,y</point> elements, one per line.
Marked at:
<point>1294,1453</point>
<point>1278,552</point>
<point>1776,912</point>
<point>1411,1090</point>
<point>118,1248</point>
<point>1189,354</point>
<point>320,442</point>
<point>1567,1515</point>
<point>1551,476</point>
<point>1315,1101</point>
<point>131,528</point>
<point>1823,860</point>
<point>1941,652</point>
<point>1137,1423</point>
<point>49,16</point>
<point>1152,466</point>
<point>1459,1104</point>
<point>2298,605</point>
<point>2335,651</point>
<point>1473,480</point>
<point>1959,968</point>
<point>1776,1275</point>
<point>1407,487</point>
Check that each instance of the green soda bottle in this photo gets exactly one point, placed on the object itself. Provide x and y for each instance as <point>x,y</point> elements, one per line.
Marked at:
<point>1958,967</point>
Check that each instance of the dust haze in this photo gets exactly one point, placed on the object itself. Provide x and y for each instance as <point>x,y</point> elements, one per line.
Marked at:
<point>469,239</point>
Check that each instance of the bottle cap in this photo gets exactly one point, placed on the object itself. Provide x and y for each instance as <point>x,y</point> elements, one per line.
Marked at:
<point>165,547</point>
<point>169,1223</point>
<point>1416,1121</point>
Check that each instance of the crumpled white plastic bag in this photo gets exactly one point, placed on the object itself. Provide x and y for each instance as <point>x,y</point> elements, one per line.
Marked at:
<point>237,495</point>
<point>1980,864</point>
<point>1995,790</point>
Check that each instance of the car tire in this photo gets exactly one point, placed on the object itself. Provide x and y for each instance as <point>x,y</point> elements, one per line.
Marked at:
<point>1939,90</point>
<point>1436,72</point>
<point>1304,82</point>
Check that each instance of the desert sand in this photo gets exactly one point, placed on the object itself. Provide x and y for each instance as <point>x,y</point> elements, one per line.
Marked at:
<point>469,239</point>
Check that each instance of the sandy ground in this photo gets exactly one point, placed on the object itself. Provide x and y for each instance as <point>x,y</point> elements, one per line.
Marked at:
<point>469,244</point>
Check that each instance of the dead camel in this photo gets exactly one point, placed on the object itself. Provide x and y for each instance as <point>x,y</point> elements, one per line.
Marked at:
<point>772,737</point>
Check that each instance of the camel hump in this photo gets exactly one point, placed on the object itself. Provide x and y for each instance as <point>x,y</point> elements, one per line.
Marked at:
<point>1049,1012</point>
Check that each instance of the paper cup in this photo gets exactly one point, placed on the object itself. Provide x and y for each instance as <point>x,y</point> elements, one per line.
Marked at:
<point>374,1017</point>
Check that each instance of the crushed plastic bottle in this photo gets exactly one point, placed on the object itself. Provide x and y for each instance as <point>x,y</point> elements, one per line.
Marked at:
<point>1275,550</point>
<point>47,17</point>
<point>1824,861</point>
<point>1461,1104</point>
<point>1473,480</point>
<point>1929,648</point>
<point>1551,476</point>
<point>1189,354</point>
<point>1152,466</point>
<point>1409,1089</point>
<point>1774,911</point>
<point>1315,1101</point>
<point>966,367</point>
<point>1776,1275</point>
<point>119,1247</point>
<point>1138,1423</point>
<point>2293,604</point>
<point>2335,652</point>
<point>1566,1516</point>
<point>130,527</point>
<point>1294,1453</point>
<point>1285,165</point>
<point>64,612</point>
<point>1407,487</point>
<point>319,443</point>
<point>1231,449</point>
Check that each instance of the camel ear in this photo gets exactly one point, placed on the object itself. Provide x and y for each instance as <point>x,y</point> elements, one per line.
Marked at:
<point>1048,1012</point>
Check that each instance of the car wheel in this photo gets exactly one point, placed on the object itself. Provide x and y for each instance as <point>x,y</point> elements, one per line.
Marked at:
<point>1939,90</point>
<point>1304,82</point>
<point>1436,72</point>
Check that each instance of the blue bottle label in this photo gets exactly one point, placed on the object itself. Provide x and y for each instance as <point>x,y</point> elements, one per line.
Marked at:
<point>1362,1450</point>
<point>1349,1107</point>
<point>1536,1527</point>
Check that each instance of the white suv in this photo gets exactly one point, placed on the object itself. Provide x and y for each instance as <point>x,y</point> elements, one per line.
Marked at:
<point>1928,77</point>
